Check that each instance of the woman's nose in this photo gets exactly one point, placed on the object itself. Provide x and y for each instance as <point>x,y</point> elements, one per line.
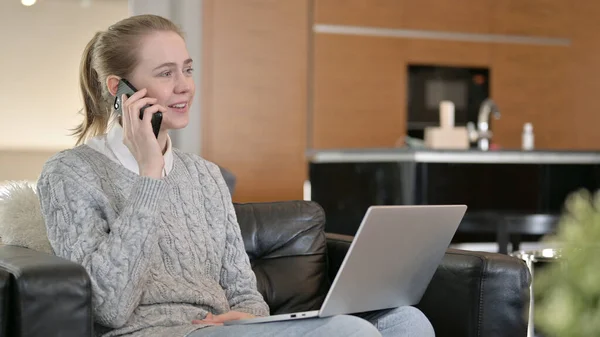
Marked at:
<point>183,84</point>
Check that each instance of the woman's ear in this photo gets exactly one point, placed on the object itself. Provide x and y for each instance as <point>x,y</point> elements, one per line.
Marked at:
<point>112,82</point>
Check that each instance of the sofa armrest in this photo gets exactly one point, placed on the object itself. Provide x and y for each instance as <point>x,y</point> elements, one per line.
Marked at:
<point>478,294</point>
<point>49,296</point>
<point>4,296</point>
<point>472,294</point>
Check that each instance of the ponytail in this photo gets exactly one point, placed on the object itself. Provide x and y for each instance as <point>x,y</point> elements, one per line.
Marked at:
<point>94,105</point>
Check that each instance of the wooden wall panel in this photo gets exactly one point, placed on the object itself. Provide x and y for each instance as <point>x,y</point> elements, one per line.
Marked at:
<point>584,68</point>
<point>360,85</point>
<point>451,53</point>
<point>371,13</point>
<point>464,16</point>
<point>255,89</point>
<point>532,84</point>
<point>265,78</point>
<point>544,18</point>
<point>359,92</point>
<point>469,16</point>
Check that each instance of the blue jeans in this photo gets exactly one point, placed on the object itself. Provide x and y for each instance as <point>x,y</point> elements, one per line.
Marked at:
<point>399,322</point>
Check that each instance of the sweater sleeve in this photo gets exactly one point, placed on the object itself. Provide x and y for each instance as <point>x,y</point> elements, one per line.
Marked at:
<point>237,277</point>
<point>116,255</point>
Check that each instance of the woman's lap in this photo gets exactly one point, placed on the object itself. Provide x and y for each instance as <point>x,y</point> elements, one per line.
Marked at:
<point>342,325</point>
<point>398,322</point>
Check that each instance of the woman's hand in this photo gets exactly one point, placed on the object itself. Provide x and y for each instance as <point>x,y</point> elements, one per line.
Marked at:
<point>220,319</point>
<point>138,135</point>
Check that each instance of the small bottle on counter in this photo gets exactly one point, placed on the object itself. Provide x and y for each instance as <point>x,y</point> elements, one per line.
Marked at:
<point>527,141</point>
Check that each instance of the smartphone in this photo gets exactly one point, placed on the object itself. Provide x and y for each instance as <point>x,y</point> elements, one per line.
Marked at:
<point>128,89</point>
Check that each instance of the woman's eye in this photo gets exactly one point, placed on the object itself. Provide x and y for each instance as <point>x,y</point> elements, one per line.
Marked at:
<point>189,70</point>
<point>166,74</point>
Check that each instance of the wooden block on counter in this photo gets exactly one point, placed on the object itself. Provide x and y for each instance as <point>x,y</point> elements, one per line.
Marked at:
<point>447,138</point>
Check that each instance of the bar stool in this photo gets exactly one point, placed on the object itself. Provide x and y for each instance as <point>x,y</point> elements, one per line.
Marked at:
<point>527,224</point>
<point>508,227</point>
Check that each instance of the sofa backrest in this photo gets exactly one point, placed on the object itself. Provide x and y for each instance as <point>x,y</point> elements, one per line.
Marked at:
<point>284,240</point>
<point>287,248</point>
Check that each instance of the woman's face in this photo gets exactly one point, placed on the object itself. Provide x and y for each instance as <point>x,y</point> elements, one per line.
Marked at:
<point>165,69</point>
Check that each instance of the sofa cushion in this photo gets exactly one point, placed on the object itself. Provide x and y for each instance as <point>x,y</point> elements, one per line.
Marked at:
<point>21,220</point>
<point>287,248</point>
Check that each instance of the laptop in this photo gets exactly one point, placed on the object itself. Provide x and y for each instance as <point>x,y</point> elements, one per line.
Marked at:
<point>390,262</point>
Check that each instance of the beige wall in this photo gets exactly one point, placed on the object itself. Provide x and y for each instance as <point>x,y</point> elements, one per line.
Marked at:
<point>22,165</point>
<point>41,49</point>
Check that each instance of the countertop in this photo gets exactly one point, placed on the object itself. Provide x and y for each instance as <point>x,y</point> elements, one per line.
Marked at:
<point>453,156</point>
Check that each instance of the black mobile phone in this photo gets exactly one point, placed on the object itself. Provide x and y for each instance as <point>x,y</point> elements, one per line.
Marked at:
<point>128,89</point>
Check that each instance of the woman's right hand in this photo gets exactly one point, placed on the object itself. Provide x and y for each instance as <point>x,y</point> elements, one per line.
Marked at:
<point>138,135</point>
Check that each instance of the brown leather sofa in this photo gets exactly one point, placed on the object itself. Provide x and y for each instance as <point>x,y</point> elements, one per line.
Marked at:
<point>471,294</point>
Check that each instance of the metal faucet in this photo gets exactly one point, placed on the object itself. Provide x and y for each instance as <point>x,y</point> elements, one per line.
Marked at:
<point>483,134</point>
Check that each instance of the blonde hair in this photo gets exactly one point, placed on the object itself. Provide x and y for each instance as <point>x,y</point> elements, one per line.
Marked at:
<point>112,52</point>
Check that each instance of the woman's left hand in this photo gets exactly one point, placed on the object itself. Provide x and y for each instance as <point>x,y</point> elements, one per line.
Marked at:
<point>220,319</point>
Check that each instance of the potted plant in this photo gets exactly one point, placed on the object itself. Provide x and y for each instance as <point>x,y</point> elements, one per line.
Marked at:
<point>567,292</point>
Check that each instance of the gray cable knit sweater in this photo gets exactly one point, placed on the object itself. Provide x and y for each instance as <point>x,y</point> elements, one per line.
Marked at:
<point>160,253</point>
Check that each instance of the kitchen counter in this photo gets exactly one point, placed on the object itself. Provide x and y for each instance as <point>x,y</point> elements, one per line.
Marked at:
<point>346,182</point>
<point>452,156</point>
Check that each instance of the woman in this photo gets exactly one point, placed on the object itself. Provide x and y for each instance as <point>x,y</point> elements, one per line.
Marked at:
<point>155,227</point>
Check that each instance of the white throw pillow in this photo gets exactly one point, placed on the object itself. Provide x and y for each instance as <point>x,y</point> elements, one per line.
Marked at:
<point>21,220</point>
